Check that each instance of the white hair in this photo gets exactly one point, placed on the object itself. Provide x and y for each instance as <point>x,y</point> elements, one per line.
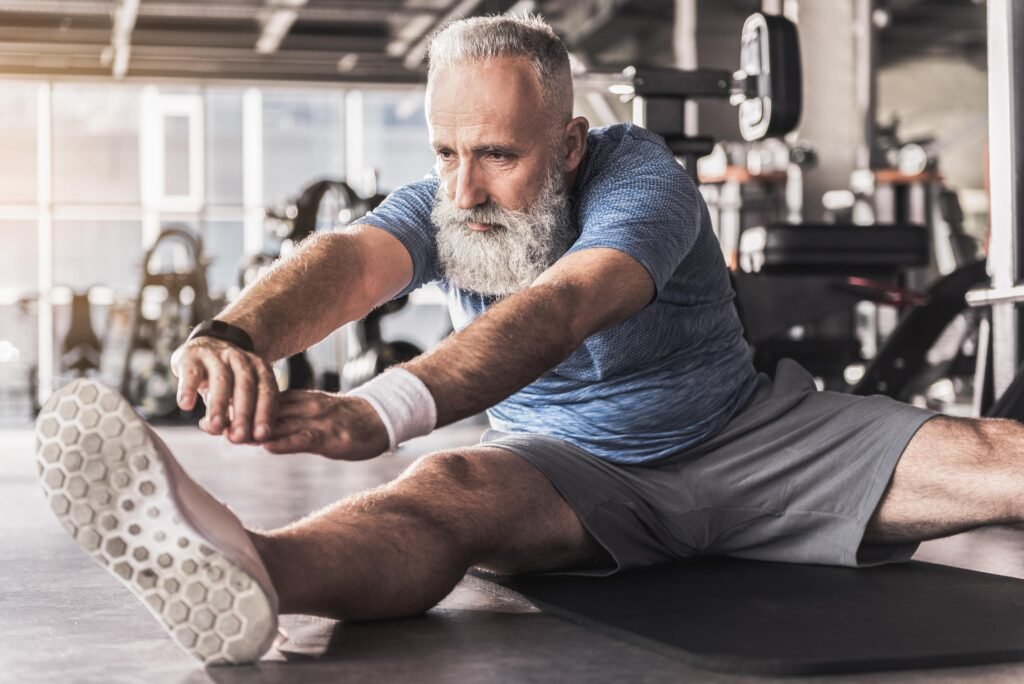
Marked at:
<point>527,36</point>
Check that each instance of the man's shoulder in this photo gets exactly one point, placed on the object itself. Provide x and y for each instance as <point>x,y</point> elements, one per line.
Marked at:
<point>624,149</point>
<point>623,137</point>
<point>621,153</point>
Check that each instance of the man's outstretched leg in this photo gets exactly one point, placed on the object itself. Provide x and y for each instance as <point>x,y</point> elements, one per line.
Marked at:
<point>399,549</point>
<point>394,551</point>
<point>955,475</point>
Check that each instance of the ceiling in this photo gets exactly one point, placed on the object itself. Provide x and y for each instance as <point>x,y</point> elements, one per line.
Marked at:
<point>381,41</point>
<point>918,28</point>
<point>310,40</point>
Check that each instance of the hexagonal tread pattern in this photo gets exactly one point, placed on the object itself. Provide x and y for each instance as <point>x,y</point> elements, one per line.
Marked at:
<point>104,479</point>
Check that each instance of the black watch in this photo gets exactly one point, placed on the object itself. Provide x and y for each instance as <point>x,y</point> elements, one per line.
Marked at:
<point>220,330</point>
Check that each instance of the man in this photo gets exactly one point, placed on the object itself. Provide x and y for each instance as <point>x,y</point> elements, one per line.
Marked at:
<point>595,323</point>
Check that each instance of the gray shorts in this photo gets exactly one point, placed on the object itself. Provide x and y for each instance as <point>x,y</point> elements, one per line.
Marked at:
<point>794,477</point>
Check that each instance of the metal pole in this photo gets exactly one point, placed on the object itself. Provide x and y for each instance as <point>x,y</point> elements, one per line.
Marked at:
<point>684,39</point>
<point>252,170</point>
<point>866,42</point>
<point>1006,166</point>
<point>46,360</point>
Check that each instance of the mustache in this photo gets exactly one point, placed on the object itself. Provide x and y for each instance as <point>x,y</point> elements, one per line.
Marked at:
<point>489,213</point>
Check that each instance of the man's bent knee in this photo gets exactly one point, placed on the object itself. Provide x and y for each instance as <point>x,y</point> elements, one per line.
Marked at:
<point>448,493</point>
<point>502,509</point>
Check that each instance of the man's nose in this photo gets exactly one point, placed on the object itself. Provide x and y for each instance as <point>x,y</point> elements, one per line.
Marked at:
<point>470,190</point>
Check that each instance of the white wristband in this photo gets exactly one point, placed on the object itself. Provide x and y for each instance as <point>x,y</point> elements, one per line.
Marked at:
<point>402,401</point>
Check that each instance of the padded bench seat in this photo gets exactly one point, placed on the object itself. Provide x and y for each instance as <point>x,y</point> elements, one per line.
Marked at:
<point>830,249</point>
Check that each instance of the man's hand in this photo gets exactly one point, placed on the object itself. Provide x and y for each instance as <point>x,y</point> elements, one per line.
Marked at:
<point>335,426</point>
<point>239,388</point>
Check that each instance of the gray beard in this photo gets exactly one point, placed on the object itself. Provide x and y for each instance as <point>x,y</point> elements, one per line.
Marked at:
<point>519,246</point>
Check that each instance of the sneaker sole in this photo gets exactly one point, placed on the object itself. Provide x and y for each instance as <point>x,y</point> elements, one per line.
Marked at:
<point>107,482</point>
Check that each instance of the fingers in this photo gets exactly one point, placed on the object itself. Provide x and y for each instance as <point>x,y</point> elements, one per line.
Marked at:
<point>191,380</point>
<point>238,388</point>
<point>222,385</point>
<point>266,402</point>
<point>243,398</point>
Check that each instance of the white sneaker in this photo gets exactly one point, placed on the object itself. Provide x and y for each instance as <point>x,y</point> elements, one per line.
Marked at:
<point>119,492</point>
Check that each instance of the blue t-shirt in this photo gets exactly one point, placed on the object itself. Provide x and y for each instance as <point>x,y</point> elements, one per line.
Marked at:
<point>664,380</point>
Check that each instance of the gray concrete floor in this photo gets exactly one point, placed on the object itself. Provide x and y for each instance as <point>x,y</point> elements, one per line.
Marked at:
<point>62,618</point>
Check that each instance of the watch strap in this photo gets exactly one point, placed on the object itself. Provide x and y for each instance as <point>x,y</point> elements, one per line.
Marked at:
<point>220,330</point>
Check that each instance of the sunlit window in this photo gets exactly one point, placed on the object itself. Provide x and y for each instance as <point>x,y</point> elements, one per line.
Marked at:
<point>18,142</point>
<point>95,144</point>
<point>303,140</point>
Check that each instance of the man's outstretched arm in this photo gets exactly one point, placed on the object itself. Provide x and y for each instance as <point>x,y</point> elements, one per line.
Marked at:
<point>333,278</point>
<point>519,339</point>
<point>508,347</point>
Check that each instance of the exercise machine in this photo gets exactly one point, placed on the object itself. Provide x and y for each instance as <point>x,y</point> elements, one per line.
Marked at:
<point>323,205</point>
<point>168,306</point>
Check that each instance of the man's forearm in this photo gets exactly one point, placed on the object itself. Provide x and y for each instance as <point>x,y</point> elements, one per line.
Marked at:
<point>502,351</point>
<point>303,298</point>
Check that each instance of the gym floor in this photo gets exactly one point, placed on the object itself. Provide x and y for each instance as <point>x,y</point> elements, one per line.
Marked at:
<point>63,618</point>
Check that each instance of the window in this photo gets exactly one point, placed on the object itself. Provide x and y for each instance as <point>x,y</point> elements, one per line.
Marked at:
<point>222,243</point>
<point>18,142</point>
<point>224,146</point>
<point>18,255</point>
<point>303,141</point>
<point>87,253</point>
<point>176,157</point>
<point>396,138</point>
<point>95,144</point>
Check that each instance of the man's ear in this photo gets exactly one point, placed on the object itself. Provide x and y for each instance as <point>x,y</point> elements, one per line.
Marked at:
<point>575,137</point>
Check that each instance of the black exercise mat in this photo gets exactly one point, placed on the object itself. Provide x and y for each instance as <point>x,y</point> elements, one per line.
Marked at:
<point>781,619</point>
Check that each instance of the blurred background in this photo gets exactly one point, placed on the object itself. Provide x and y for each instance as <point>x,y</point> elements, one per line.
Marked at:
<point>121,120</point>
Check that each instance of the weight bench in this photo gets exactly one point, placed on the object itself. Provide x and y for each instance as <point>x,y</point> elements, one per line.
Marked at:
<point>812,275</point>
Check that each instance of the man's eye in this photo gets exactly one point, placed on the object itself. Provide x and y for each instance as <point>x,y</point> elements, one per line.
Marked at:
<point>498,156</point>
<point>446,155</point>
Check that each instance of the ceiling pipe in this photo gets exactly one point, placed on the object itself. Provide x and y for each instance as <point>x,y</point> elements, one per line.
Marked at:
<point>277,20</point>
<point>118,55</point>
<point>414,57</point>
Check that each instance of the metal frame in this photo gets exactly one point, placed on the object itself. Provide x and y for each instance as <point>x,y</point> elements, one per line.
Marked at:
<point>252,170</point>
<point>44,197</point>
<point>1006,173</point>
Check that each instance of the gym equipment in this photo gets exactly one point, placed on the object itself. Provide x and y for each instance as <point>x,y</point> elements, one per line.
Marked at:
<point>146,379</point>
<point>901,368</point>
<point>81,349</point>
<point>786,619</point>
<point>904,185</point>
<point>745,185</point>
<point>330,202</point>
<point>769,55</point>
<point>798,286</point>
<point>376,355</point>
<point>801,275</point>
<point>998,378</point>
<point>325,201</point>
<point>813,249</point>
<point>767,89</point>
